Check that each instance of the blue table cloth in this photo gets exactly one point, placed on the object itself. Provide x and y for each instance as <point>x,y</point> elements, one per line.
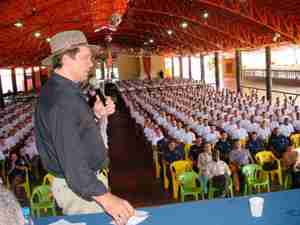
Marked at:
<point>280,208</point>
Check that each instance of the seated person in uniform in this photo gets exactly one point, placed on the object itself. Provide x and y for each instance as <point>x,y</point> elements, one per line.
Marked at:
<point>173,153</point>
<point>224,146</point>
<point>254,144</point>
<point>16,170</point>
<point>278,143</point>
<point>291,162</point>
<point>194,152</point>
<point>203,159</point>
<point>218,173</point>
<point>238,157</point>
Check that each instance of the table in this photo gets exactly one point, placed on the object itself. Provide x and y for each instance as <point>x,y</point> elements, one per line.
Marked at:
<point>281,208</point>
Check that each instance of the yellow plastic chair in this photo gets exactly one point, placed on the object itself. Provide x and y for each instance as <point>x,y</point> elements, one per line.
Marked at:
<point>187,148</point>
<point>25,184</point>
<point>48,179</point>
<point>295,139</point>
<point>267,156</point>
<point>177,168</point>
<point>166,181</point>
<point>243,142</point>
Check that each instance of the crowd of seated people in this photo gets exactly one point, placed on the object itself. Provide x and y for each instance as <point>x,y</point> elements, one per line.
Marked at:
<point>18,152</point>
<point>236,125</point>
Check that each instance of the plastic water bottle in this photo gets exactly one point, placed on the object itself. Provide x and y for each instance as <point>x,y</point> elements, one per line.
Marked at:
<point>27,216</point>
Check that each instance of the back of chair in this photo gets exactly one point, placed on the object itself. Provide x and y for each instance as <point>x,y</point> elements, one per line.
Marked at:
<point>264,156</point>
<point>180,166</point>
<point>187,148</point>
<point>188,179</point>
<point>41,193</point>
<point>295,139</point>
<point>250,172</point>
<point>48,179</point>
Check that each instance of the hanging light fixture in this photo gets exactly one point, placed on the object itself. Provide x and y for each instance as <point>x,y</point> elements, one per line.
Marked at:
<point>18,24</point>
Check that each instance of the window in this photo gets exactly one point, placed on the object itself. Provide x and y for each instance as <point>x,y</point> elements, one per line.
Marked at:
<point>196,68</point>
<point>185,67</point>
<point>176,67</point>
<point>20,79</point>
<point>115,72</point>
<point>28,73</point>
<point>6,80</point>
<point>209,67</point>
<point>168,67</point>
<point>98,74</point>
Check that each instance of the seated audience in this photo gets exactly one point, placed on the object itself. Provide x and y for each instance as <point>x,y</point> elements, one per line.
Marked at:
<point>218,173</point>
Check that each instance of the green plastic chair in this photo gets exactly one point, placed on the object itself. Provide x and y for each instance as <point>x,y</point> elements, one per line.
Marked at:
<point>42,199</point>
<point>213,190</point>
<point>255,178</point>
<point>288,181</point>
<point>188,185</point>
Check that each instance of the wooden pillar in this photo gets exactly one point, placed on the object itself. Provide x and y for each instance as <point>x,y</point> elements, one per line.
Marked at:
<point>25,81</point>
<point>172,68</point>
<point>180,67</point>
<point>33,78</point>
<point>217,71</point>
<point>268,74</point>
<point>14,80</point>
<point>2,105</point>
<point>202,69</point>
<point>190,68</point>
<point>238,64</point>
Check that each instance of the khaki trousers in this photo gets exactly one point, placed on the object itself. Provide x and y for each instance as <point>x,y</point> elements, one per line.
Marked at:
<point>70,202</point>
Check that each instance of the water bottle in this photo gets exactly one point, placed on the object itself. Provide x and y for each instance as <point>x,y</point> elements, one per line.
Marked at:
<point>27,216</point>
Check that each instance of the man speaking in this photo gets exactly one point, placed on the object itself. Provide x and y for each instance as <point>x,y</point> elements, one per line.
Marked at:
<point>67,134</point>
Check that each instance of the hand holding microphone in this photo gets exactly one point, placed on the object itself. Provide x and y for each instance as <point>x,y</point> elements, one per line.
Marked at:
<point>104,110</point>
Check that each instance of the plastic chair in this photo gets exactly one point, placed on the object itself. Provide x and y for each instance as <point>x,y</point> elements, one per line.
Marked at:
<point>295,139</point>
<point>267,156</point>
<point>42,199</point>
<point>188,185</point>
<point>25,184</point>
<point>187,148</point>
<point>287,181</point>
<point>2,164</point>
<point>212,190</point>
<point>243,142</point>
<point>48,179</point>
<point>255,178</point>
<point>177,168</point>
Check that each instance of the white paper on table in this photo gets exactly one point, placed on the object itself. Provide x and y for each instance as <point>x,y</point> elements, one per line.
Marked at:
<point>65,222</point>
<point>139,217</point>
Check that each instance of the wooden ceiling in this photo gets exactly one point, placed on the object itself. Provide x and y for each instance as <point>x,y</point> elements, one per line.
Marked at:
<point>154,25</point>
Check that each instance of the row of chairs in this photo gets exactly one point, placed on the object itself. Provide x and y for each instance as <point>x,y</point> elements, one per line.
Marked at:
<point>256,177</point>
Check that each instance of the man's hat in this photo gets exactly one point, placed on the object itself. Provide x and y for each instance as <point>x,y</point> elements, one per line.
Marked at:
<point>64,41</point>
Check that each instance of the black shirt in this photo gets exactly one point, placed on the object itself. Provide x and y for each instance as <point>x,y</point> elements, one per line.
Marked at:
<point>68,138</point>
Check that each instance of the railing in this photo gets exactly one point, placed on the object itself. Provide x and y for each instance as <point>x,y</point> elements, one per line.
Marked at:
<point>275,93</point>
<point>276,74</point>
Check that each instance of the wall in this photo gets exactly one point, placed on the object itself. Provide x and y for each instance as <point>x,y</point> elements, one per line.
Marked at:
<point>229,67</point>
<point>129,67</point>
<point>157,64</point>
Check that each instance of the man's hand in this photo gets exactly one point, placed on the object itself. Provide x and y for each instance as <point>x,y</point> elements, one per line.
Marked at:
<point>119,209</point>
<point>101,110</point>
